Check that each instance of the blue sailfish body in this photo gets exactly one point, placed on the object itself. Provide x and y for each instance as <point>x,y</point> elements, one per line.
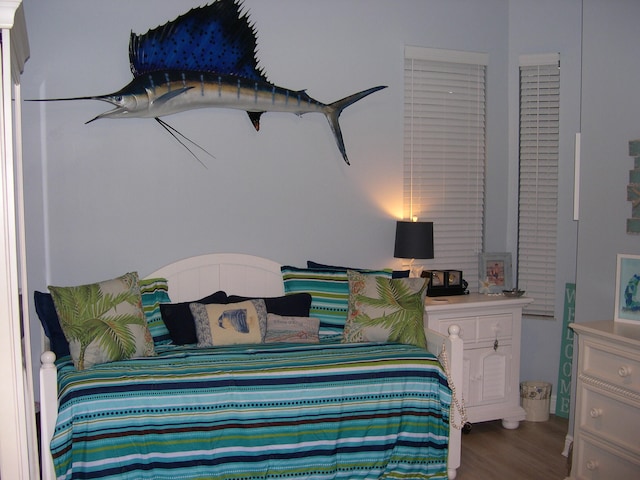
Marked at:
<point>206,58</point>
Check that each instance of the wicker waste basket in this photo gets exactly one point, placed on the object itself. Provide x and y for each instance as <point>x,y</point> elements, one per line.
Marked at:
<point>535,397</point>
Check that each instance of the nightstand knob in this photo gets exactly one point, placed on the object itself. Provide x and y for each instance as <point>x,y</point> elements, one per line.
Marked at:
<point>592,465</point>
<point>595,412</point>
<point>624,371</point>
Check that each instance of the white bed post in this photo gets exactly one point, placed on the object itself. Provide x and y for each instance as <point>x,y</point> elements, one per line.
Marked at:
<point>455,370</point>
<point>48,411</point>
<point>453,349</point>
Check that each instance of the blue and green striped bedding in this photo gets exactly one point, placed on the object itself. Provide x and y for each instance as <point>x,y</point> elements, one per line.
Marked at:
<point>292,411</point>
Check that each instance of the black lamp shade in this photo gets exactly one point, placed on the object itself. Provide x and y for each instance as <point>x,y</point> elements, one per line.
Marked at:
<point>414,240</point>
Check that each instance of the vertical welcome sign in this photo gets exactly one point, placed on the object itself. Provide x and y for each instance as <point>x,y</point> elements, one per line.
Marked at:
<point>563,394</point>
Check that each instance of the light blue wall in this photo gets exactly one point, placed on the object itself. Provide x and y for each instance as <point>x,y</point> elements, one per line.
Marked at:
<point>120,195</point>
<point>610,119</point>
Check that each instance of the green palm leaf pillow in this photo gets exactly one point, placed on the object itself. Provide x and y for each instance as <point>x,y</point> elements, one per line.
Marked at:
<point>385,309</point>
<point>103,322</point>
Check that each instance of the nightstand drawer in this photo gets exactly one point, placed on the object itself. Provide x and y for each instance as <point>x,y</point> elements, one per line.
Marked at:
<point>597,462</point>
<point>481,329</point>
<point>491,327</point>
<point>467,328</point>
<point>618,368</point>
<point>610,418</point>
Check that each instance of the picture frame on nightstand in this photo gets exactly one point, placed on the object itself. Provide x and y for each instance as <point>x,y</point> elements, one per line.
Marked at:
<point>494,272</point>
<point>627,301</point>
<point>445,282</point>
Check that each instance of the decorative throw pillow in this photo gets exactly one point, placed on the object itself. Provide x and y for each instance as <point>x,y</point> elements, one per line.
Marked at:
<point>385,310</point>
<point>329,289</point>
<point>104,321</point>
<point>291,329</point>
<point>230,324</point>
<point>46,311</point>
<point>179,320</point>
<point>154,291</point>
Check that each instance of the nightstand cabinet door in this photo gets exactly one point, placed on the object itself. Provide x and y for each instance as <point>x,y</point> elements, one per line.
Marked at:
<point>486,375</point>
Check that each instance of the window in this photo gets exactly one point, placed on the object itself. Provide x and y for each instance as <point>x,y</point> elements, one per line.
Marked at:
<point>538,189</point>
<point>444,152</point>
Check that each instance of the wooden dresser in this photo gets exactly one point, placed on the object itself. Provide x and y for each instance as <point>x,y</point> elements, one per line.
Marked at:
<point>607,413</point>
<point>490,326</point>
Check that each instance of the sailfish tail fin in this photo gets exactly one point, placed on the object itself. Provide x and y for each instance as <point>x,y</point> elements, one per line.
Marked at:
<point>334,110</point>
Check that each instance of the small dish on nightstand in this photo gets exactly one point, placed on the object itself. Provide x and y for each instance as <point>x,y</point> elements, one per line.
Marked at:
<point>513,293</point>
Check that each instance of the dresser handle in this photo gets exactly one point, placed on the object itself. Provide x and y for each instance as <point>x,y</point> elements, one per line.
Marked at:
<point>624,371</point>
<point>595,412</point>
<point>592,465</point>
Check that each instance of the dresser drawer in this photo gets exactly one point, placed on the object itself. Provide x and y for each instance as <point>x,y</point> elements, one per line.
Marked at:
<point>610,418</point>
<point>596,462</point>
<point>612,366</point>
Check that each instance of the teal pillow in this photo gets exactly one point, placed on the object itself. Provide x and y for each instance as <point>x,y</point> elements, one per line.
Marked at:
<point>329,290</point>
<point>385,310</point>
<point>154,291</point>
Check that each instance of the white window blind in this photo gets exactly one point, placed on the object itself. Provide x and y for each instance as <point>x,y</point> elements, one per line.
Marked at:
<point>538,192</point>
<point>444,152</point>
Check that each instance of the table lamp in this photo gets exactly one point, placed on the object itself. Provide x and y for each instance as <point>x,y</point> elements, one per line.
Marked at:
<point>414,240</point>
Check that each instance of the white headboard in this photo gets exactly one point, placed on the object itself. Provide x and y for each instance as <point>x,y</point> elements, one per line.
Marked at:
<point>235,273</point>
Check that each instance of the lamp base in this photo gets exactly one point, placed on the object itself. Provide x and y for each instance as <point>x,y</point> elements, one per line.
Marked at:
<point>415,271</point>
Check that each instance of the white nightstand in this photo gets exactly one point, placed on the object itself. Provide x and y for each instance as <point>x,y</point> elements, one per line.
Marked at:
<point>490,326</point>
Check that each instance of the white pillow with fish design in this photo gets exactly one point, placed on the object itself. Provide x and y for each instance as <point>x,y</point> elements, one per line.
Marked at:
<point>231,323</point>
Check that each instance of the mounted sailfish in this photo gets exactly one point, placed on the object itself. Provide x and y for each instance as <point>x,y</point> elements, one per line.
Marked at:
<point>206,58</point>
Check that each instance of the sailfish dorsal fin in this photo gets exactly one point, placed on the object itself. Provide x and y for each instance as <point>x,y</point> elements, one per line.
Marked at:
<point>213,38</point>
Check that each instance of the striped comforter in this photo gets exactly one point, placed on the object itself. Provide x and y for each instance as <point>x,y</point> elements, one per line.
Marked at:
<point>267,411</point>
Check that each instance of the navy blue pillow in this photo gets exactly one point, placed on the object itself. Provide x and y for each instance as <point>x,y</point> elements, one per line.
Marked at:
<point>394,273</point>
<point>48,316</point>
<point>294,305</point>
<point>179,319</point>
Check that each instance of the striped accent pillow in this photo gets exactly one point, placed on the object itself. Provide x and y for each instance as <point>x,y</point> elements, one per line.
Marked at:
<point>329,291</point>
<point>155,291</point>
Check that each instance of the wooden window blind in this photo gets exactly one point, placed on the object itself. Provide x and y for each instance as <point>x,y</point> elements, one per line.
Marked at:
<point>444,152</point>
<point>538,180</point>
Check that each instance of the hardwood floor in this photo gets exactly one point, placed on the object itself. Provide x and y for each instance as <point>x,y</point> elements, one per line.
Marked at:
<point>531,452</point>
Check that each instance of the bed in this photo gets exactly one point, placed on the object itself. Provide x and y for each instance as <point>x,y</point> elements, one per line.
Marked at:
<point>281,410</point>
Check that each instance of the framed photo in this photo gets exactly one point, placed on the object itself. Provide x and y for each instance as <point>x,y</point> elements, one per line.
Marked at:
<point>627,284</point>
<point>494,271</point>
<point>453,278</point>
<point>437,278</point>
